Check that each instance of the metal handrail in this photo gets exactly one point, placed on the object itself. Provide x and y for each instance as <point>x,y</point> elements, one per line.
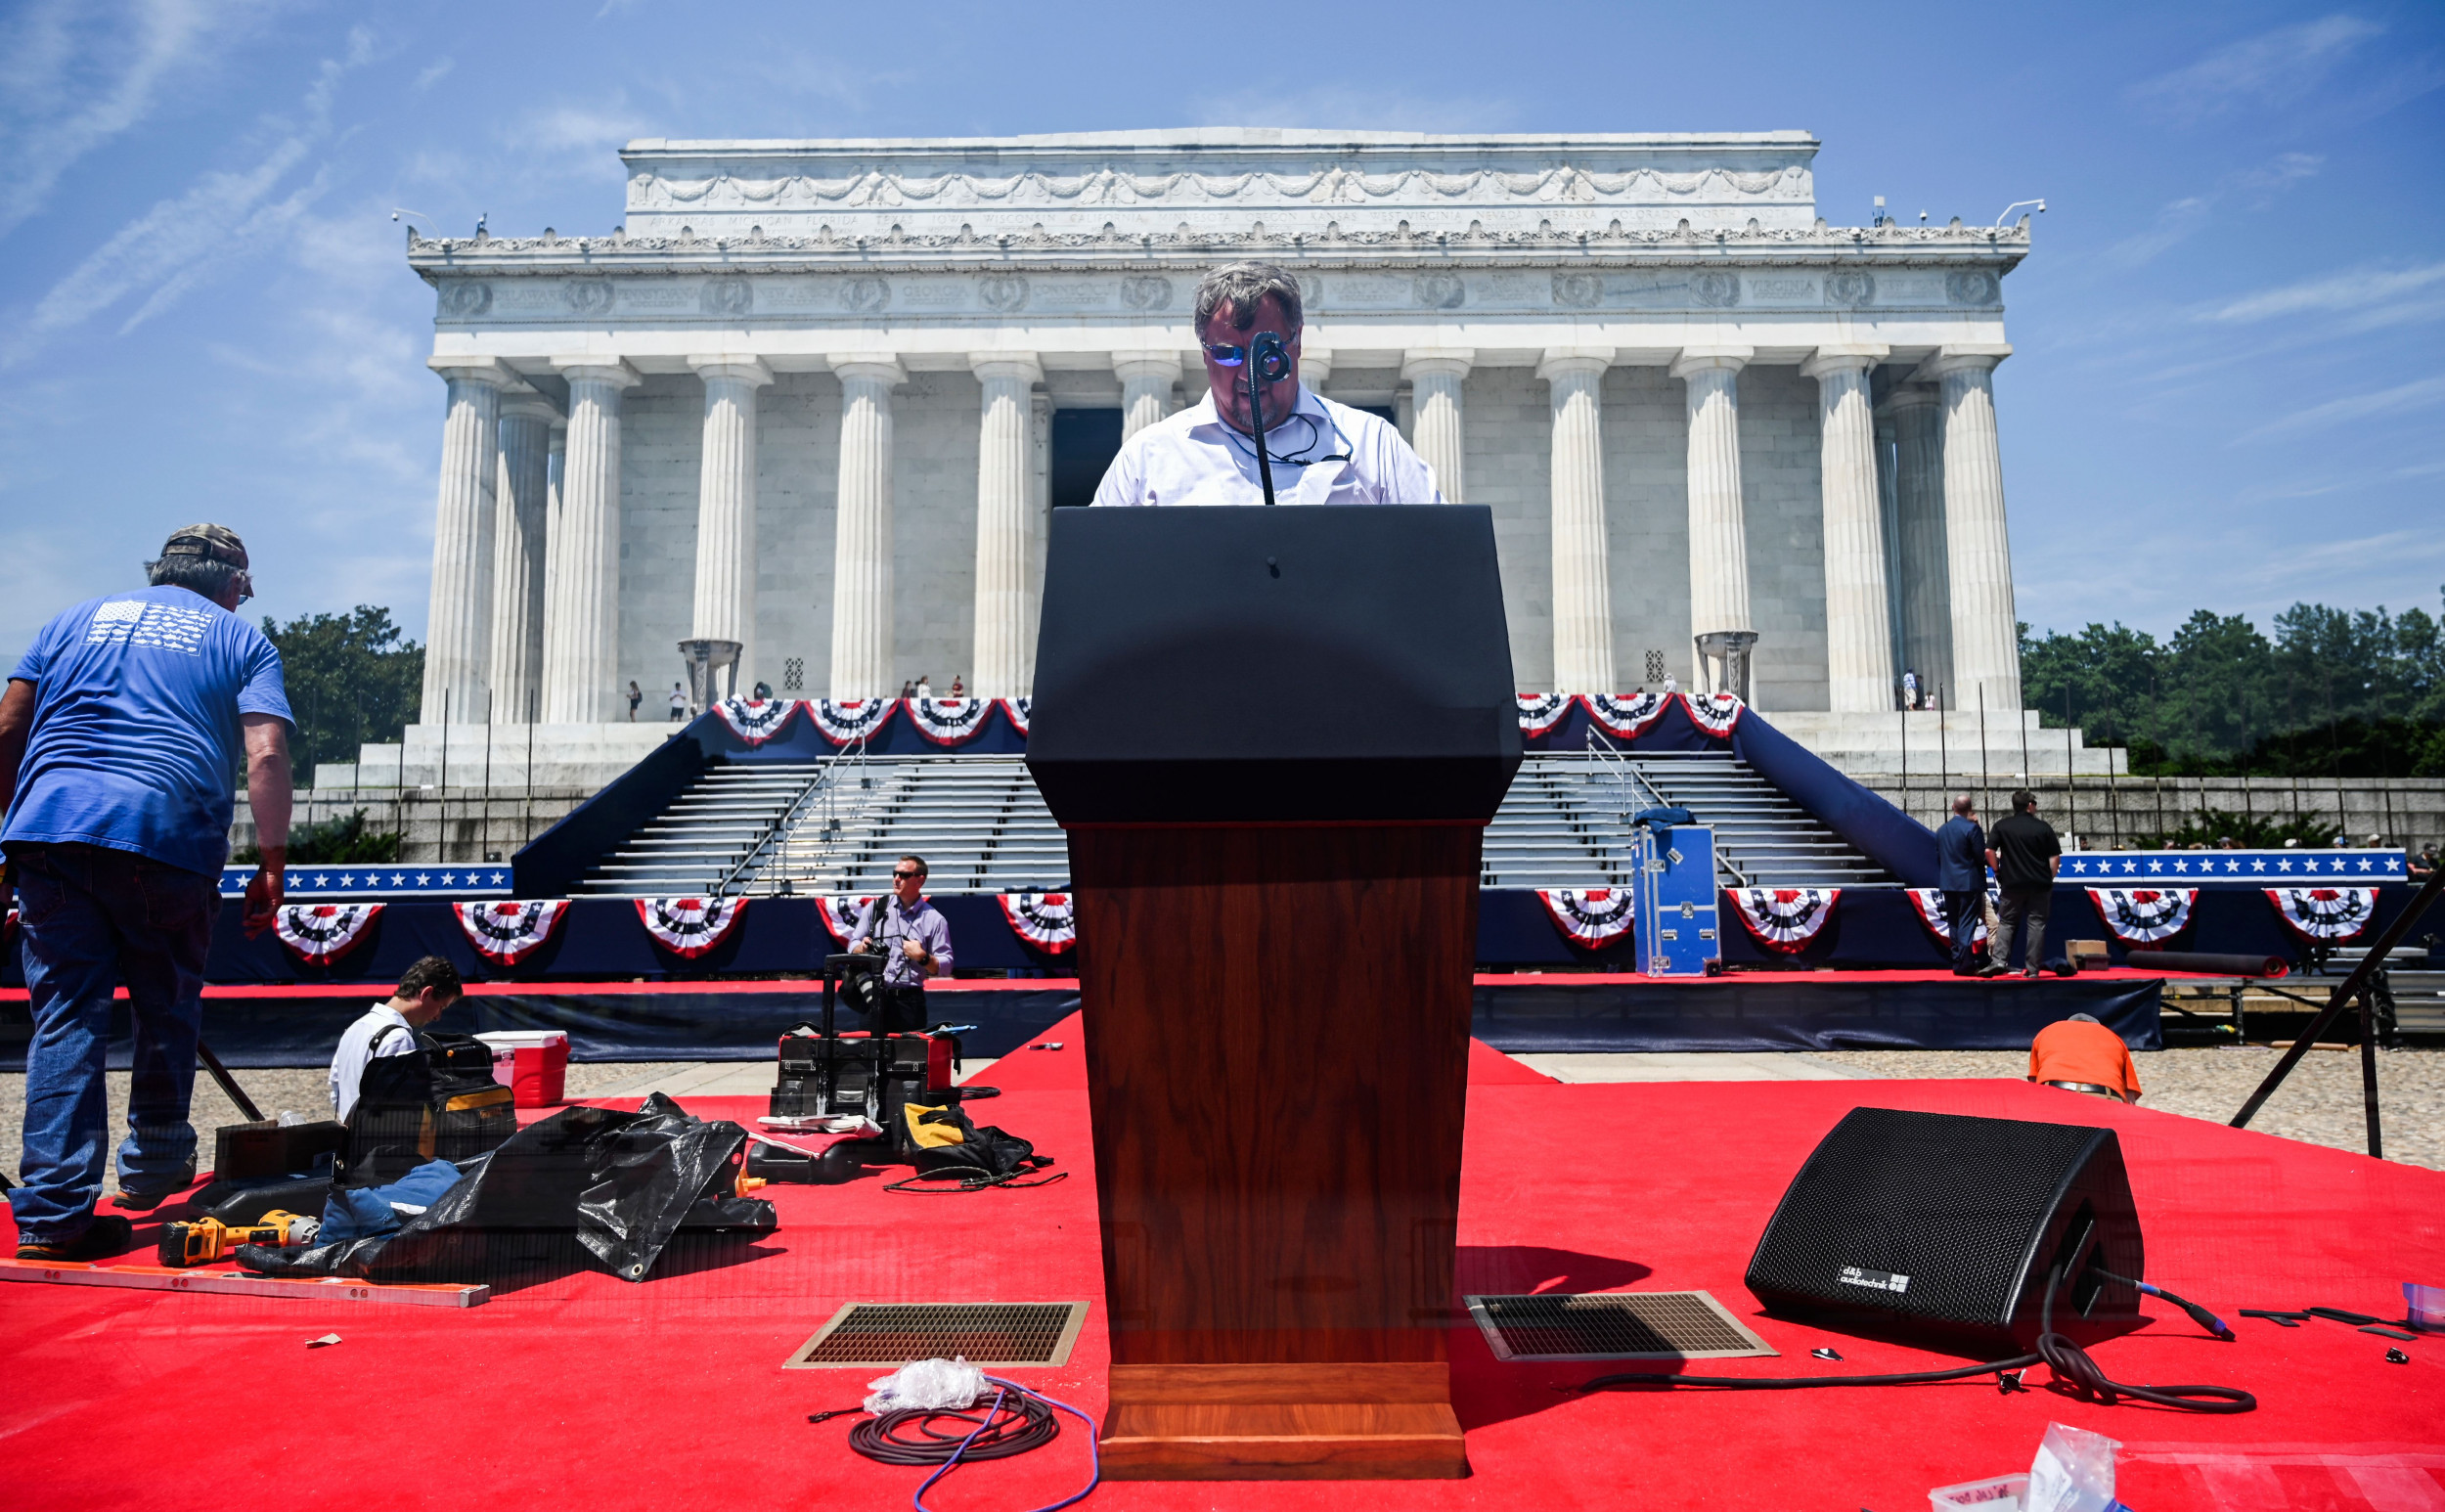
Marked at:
<point>821,783</point>
<point>1600,746</point>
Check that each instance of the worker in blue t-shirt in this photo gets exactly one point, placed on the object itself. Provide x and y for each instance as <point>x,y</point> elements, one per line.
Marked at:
<point>121,730</point>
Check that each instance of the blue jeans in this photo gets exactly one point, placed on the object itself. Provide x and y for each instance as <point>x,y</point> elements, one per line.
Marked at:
<point>91,918</point>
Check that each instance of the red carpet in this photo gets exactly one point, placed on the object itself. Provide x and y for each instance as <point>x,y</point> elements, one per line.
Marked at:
<point>590,1391</point>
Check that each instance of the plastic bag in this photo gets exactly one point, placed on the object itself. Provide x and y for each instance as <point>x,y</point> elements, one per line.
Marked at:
<point>2073,1472</point>
<point>929,1386</point>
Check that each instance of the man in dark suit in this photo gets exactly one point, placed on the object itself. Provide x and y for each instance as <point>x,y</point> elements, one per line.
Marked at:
<point>1961,860</point>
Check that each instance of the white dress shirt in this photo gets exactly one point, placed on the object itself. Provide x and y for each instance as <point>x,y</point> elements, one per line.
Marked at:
<point>366,1039</point>
<point>1323,453</point>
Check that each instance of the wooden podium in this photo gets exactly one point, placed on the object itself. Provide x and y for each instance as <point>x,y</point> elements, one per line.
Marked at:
<point>1274,738</point>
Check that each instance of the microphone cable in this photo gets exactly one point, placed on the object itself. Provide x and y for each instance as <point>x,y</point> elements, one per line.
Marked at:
<point>2072,1366</point>
<point>1018,1421</point>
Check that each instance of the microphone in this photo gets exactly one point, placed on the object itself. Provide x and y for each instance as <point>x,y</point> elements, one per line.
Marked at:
<point>1267,362</point>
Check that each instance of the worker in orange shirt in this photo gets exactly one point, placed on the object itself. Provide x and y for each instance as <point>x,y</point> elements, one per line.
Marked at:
<point>2082,1055</point>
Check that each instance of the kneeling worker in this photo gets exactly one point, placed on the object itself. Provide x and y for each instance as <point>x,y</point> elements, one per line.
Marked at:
<point>425,988</point>
<point>2082,1055</point>
<point>915,941</point>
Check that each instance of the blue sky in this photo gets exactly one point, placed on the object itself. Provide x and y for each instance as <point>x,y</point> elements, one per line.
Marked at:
<point>2225,392</point>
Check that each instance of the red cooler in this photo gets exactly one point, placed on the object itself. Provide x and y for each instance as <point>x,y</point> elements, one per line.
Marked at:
<point>533,1063</point>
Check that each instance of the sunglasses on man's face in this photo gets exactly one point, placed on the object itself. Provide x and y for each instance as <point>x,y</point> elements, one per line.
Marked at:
<point>1226,356</point>
<point>906,875</point>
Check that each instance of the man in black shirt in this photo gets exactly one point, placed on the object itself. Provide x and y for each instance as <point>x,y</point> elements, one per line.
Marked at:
<point>2028,856</point>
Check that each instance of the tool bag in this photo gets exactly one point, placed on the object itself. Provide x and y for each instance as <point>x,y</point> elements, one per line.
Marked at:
<point>944,1142</point>
<point>437,1102</point>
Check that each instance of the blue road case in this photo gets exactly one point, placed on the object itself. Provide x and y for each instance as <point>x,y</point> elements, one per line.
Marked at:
<point>1677,922</point>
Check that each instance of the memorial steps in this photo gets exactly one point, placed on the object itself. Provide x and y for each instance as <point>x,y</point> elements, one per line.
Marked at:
<point>835,827</point>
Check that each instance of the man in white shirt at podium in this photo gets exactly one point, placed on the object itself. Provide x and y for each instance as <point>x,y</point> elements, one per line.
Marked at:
<point>1320,452</point>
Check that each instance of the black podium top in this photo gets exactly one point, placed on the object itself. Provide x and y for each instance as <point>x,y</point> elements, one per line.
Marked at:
<point>1301,664</point>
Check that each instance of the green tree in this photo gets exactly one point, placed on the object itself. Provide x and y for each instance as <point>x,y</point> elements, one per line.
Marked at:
<point>2349,693</point>
<point>351,678</point>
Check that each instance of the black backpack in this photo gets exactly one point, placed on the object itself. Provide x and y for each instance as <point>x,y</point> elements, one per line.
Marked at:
<point>438,1101</point>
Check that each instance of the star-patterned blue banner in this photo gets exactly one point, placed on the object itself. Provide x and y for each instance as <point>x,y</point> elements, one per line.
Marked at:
<point>426,879</point>
<point>2246,868</point>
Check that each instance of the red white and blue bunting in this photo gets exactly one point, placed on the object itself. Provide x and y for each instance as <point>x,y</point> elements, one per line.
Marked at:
<point>1594,917</point>
<point>322,931</point>
<point>507,932</point>
<point>1930,903</point>
<point>851,719</point>
<point>2322,915</point>
<point>1713,713</point>
<point>1540,712</point>
<point>949,721</point>
<point>1624,718</point>
<point>842,915</point>
<point>2143,915</point>
<point>1018,711</point>
<point>756,720</point>
<point>1045,920</point>
<point>689,927</point>
<point>1784,918</point>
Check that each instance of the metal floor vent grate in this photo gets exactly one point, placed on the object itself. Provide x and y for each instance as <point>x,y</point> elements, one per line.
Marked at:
<point>890,1334</point>
<point>1613,1326</point>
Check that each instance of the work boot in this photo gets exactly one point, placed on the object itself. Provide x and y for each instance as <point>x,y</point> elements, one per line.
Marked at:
<point>1993,968</point>
<point>107,1237</point>
<point>146,1202</point>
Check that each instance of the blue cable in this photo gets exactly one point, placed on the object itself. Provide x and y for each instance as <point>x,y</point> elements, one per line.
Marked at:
<point>1094,1460</point>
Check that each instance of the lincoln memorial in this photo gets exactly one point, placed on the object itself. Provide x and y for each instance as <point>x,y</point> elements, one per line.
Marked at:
<point>817,398</point>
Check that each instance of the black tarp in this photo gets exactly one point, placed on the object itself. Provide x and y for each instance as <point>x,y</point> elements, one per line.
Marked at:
<point>622,1185</point>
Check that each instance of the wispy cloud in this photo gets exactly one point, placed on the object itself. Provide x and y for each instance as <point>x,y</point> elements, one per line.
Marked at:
<point>183,242</point>
<point>75,74</point>
<point>562,142</point>
<point>433,73</point>
<point>2418,394</point>
<point>2272,67</point>
<point>2353,290</point>
<point>2183,218</point>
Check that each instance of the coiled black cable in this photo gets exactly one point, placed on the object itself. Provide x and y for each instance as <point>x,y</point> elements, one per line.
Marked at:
<point>2074,1370</point>
<point>910,1436</point>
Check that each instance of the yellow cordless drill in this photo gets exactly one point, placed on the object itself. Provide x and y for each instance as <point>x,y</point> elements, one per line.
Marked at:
<point>208,1239</point>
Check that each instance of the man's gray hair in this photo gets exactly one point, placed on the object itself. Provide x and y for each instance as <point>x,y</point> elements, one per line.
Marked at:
<point>1243,286</point>
<point>202,574</point>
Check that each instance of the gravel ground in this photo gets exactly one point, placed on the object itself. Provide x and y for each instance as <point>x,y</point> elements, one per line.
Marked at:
<point>2318,1103</point>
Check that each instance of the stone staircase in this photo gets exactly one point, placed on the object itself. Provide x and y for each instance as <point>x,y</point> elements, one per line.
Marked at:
<point>836,828</point>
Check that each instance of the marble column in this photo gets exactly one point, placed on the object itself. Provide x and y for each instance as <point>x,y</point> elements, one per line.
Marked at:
<point>725,510</point>
<point>1919,521</point>
<point>582,552</point>
<point>1315,368</point>
<point>1002,489</point>
<point>1146,379</point>
<point>862,628</point>
<point>1859,630</point>
<point>521,516</point>
<point>1583,594</point>
<point>457,633</point>
<point>1040,513</point>
<point>1434,378</point>
<point>1718,542</point>
<point>1977,548</point>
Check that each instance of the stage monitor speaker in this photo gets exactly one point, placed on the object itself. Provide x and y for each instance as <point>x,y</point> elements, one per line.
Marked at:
<point>1942,1229</point>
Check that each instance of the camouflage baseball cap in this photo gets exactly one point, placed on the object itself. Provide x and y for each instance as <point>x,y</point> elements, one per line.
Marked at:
<point>216,543</point>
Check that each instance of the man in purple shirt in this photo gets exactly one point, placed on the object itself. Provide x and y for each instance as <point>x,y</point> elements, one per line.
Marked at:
<point>121,732</point>
<point>915,941</point>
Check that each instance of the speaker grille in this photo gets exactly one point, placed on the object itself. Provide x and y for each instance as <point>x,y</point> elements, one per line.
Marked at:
<point>891,1334</point>
<point>1612,1325</point>
<point>1938,1216</point>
